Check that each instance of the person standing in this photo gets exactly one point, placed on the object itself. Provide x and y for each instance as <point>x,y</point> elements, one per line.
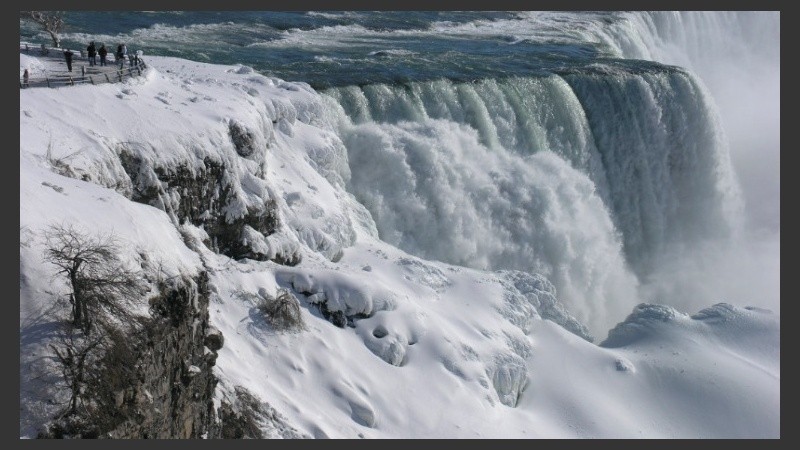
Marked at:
<point>102,52</point>
<point>68,56</point>
<point>91,51</point>
<point>25,77</point>
<point>124,55</point>
<point>118,56</point>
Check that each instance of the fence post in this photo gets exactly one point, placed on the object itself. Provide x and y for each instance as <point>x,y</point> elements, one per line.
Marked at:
<point>72,83</point>
<point>120,75</point>
<point>107,79</point>
<point>48,80</point>
<point>26,48</point>
<point>91,79</point>
<point>83,71</point>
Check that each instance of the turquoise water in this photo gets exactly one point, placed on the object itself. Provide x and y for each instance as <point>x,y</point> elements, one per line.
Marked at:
<point>468,136</point>
<point>356,48</point>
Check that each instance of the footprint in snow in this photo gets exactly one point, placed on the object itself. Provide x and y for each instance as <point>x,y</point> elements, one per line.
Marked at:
<point>58,189</point>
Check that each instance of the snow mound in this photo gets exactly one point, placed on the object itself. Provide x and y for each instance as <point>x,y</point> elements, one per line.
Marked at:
<point>639,324</point>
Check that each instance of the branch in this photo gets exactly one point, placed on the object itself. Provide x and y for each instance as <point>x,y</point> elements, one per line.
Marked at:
<point>51,21</point>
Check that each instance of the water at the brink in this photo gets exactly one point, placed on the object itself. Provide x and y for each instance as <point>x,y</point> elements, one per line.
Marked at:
<point>629,157</point>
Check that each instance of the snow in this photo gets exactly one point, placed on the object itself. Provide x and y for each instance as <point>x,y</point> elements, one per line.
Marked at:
<point>431,350</point>
<point>34,65</point>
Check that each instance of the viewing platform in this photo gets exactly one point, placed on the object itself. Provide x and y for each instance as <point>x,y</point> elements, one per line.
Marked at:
<point>52,71</point>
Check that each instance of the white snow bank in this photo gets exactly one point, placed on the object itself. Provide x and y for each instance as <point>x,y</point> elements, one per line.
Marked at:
<point>34,65</point>
<point>427,349</point>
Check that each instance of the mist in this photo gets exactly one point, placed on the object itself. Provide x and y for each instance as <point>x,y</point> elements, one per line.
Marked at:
<point>737,56</point>
<point>657,186</point>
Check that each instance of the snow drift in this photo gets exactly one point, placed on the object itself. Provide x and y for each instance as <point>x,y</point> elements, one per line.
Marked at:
<point>394,345</point>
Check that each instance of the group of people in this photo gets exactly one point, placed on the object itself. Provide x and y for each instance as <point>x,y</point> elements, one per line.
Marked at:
<point>93,52</point>
<point>119,56</point>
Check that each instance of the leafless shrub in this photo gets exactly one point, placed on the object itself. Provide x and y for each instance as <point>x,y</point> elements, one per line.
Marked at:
<point>282,311</point>
<point>60,164</point>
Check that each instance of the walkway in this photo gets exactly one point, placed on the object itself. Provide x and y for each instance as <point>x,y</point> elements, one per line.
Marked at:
<point>53,71</point>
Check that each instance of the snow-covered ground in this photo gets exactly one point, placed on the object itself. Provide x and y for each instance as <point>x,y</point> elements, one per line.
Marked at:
<point>435,350</point>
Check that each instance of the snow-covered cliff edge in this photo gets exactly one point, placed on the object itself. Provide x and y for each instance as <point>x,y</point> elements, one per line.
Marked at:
<point>217,169</point>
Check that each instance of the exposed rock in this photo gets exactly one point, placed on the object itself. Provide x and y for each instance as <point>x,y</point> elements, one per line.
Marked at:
<point>213,339</point>
<point>174,394</point>
<point>202,196</point>
<point>242,138</point>
<point>337,318</point>
<point>244,416</point>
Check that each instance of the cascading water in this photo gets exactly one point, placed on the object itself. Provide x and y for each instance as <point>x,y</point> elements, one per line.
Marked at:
<point>736,54</point>
<point>435,190</point>
<point>456,124</point>
<point>544,174</point>
<point>443,166</point>
<point>667,165</point>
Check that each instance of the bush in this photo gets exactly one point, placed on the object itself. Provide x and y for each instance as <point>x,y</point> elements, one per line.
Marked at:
<point>101,287</point>
<point>283,311</point>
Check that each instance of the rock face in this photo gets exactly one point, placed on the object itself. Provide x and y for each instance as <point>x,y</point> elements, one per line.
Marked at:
<point>242,415</point>
<point>203,196</point>
<point>243,139</point>
<point>214,339</point>
<point>174,395</point>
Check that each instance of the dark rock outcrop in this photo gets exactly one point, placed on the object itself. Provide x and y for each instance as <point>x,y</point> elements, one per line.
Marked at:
<point>214,339</point>
<point>242,138</point>
<point>174,394</point>
<point>200,196</point>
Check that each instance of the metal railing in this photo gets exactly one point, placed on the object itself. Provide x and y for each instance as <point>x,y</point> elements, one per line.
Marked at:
<point>135,67</point>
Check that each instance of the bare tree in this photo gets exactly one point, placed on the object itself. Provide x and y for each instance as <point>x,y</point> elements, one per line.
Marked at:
<point>75,355</point>
<point>101,284</point>
<point>97,371</point>
<point>50,21</point>
<point>283,311</point>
